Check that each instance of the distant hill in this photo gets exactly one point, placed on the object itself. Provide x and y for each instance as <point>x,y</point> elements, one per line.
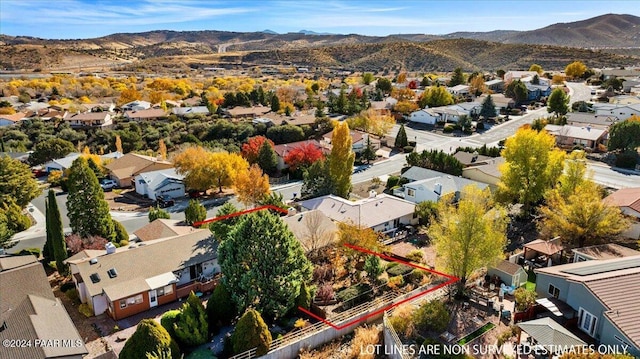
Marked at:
<point>618,34</point>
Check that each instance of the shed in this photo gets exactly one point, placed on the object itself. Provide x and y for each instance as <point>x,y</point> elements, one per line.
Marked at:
<point>510,273</point>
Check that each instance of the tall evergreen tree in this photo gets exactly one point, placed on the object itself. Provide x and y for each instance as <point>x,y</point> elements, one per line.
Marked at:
<point>316,180</point>
<point>149,338</point>
<point>267,158</point>
<point>457,78</point>
<point>191,326</point>
<point>87,210</point>
<point>341,160</point>
<point>195,212</point>
<point>157,212</point>
<point>488,108</point>
<point>251,332</point>
<point>275,103</point>
<point>401,138</point>
<point>54,229</point>
<point>47,250</point>
<point>368,153</point>
<point>278,265</point>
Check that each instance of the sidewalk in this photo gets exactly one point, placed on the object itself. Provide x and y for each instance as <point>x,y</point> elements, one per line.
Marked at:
<point>37,229</point>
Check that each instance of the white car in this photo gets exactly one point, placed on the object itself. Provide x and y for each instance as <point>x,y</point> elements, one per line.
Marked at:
<point>108,184</point>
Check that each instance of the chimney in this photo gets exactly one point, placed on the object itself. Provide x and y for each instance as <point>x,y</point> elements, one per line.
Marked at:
<point>373,194</point>
<point>438,188</point>
<point>110,247</point>
<point>291,211</point>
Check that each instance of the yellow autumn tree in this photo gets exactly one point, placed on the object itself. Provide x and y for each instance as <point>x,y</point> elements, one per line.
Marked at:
<point>119,144</point>
<point>251,185</point>
<point>575,69</point>
<point>372,121</point>
<point>341,160</point>
<point>162,149</point>
<point>204,169</point>
<point>129,94</point>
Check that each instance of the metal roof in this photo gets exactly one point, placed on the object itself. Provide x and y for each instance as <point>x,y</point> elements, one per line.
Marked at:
<point>605,267</point>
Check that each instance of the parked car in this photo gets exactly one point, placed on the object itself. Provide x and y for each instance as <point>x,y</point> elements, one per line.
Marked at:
<point>108,184</point>
<point>195,194</point>
<point>164,201</point>
<point>37,172</point>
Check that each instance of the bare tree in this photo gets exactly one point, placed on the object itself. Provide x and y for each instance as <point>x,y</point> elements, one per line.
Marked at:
<point>317,235</point>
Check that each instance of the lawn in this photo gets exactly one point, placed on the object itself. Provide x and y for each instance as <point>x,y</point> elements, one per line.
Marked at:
<point>476,333</point>
<point>531,281</point>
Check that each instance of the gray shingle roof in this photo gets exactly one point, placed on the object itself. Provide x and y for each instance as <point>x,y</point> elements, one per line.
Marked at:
<point>548,332</point>
<point>428,178</point>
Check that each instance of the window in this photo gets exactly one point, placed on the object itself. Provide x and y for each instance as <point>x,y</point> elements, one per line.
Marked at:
<point>411,192</point>
<point>123,303</point>
<point>131,301</point>
<point>166,290</point>
<point>587,322</point>
<point>555,292</point>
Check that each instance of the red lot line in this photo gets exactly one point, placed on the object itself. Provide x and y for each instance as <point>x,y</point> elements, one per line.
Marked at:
<point>452,279</point>
<point>235,214</point>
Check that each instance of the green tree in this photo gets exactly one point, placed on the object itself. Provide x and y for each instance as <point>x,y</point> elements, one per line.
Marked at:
<point>149,338</point>
<point>401,138</point>
<point>368,153</point>
<point>157,212</point>
<point>267,158</point>
<point>625,135</point>
<point>316,180</point>
<point>278,264</point>
<point>373,267</point>
<point>532,166</point>
<point>54,224</point>
<point>465,122</point>
<point>220,308</point>
<point>558,102</point>
<point>524,298</point>
<point>16,220</point>
<point>285,134</point>
<point>121,232</point>
<point>488,108</point>
<point>50,149</point>
<point>574,174</point>
<point>457,78</point>
<point>87,210</point>
<point>426,211</point>
<point>191,326</point>
<point>468,236</point>
<point>195,212</point>
<point>582,218</point>
<point>304,298</point>
<point>435,97</point>
<point>251,332</point>
<point>5,232</point>
<point>367,78</point>
<point>47,250</point>
<point>16,182</point>
<point>168,319</point>
<point>517,90</point>
<point>222,228</point>
<point>384,84</point>
<point>275,103</point>
<point>341,160</point>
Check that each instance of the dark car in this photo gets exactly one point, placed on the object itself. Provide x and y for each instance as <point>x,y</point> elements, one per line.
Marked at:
<point>164,201</point>
<point>195,194</point>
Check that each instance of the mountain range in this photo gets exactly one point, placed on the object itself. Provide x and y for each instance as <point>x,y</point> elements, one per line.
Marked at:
<point>615,39</point>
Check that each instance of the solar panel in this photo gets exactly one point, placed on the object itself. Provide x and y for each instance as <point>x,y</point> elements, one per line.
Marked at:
<point>604,267</point>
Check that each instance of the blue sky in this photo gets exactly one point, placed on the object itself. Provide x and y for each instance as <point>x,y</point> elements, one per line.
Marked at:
<point>71,19</point>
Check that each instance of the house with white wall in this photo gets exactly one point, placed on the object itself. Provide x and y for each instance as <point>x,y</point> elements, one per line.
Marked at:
<point>162,182</point>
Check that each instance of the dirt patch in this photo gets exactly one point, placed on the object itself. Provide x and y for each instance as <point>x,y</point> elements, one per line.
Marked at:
<point>418,242</point>
<point>127,200</point>
<point>361,190</point>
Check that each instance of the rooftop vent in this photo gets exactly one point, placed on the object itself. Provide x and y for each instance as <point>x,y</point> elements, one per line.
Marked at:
<point>95,278</point>
<point>110,247</point>
<point>112,273</point>
<point>93,261</point>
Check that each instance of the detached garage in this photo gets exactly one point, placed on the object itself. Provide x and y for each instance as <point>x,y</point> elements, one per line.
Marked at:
<point>510,273</point>
<point>163,182</point>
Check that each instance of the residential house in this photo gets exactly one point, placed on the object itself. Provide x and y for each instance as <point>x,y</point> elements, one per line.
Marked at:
<point>381,212</point>
<point>624,100</point>
<point>569,136</point>
<point>499,100</point>
<point>584,119</point>
<point>459,90</point>
<point>313,229</point>
<point>385,106</point>
<point>602,251</point>
<point>622,112</point>
<point>496,85</point>
<point>602,296</point>
<point>628,201</point>
<point>62,164</point>
<point>249,112</point>
<point>517,75</point>
<point>190,111</point>
<point>162,228</point>
<point>31,314</point>
<point>133,279</point>
<point>615,73</point>
<point>49,114</point>
<point>100,107</point>
<point>145,115</point>
<point>165,182</point>
<point>536,92</point>
<point>471,158</point>
<point>429,185</point>
<point>10,120</point>
<point>486,173</point>
<point>426,115</point>
<point>629,84</point>
<point>511,274</point>
<point>136,106</point>
<point>282,150</point>
<point>358,140</point>
<point>90,120</point>
<point>20,156</point>
<point>124,169</point>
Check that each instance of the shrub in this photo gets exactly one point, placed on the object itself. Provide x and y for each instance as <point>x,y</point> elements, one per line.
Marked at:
<point>157,212</point>
<point>408,149</point>
<point>395,269</point>
<point>448,129</point>
<point>195,212</point>
<point>85,310</point>
<point>373,267</point>
<point>323,273</point>
<point>55,178</point>
<point>432,316</point>
<point>300,323</point>
<point>396,282</point>
<point>168,320</point>
<point>402,320</point>
<point>220,307</point>
<point>524,298</point>
<point>392,181</point>
<point>304,298</point>
<point>73,296</point>
<point>191,326</point>
<point>251,332</point>
<point>201,353</point>
<point>626,159</point>
<point>326,293</point>
<point>354,292</point>
<point>364,337</point>
<point>121,233</point>
<point>150,337</point>
<point>124,243</point>
<point>418,276</point>
<point>416,255</point>
<point>67,286</point>
<point>30,251</point>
